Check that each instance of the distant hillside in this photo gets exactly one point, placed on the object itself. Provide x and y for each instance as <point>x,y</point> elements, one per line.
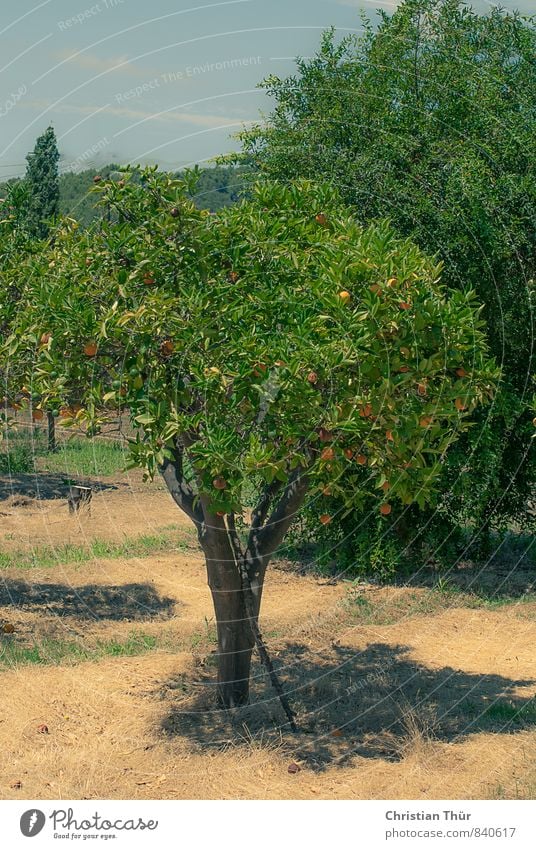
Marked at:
<point>217,187</point>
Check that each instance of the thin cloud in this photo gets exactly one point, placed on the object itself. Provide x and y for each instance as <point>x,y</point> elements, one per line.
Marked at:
<point>92,62</point>
<point>195,118</point>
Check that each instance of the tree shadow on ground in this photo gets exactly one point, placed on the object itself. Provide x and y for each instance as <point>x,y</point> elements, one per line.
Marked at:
<point>375,703</point>
<point>44,486</point>
<point>135,602</point>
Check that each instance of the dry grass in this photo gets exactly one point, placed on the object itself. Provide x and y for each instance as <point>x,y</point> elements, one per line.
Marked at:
<point>399,692</point>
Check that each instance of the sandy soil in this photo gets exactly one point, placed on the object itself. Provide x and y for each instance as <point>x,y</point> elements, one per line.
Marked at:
<point>423,707</point>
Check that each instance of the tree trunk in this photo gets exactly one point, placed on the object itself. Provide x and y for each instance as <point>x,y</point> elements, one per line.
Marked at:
<point>235,637</point>
<point>235,647</point>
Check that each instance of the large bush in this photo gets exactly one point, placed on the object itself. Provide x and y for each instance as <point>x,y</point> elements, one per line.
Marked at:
<point>429,120</point>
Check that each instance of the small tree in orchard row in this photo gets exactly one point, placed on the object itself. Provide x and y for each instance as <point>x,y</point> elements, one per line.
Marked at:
<point>260,353</point>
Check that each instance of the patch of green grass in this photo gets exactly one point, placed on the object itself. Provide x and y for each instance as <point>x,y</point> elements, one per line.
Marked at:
<point>99,457</point>
<point>506,713</point>
<point>428,602</point>
<point>68,652</point>
<point>25,452</point>
<point>16,460</point>
<point>47,556</point>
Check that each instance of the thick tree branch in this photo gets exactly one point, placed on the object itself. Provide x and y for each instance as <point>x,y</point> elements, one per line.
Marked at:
<point>261,510</point>
<point>263,542</point>
<point>234,538</point>
<point>180,490</point>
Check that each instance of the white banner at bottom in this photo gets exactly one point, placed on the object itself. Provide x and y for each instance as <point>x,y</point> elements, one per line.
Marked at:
<point>274,824</point>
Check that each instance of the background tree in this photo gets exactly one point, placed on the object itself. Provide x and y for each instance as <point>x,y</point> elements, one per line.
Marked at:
<point>42,182</point>
<point>429,120</point>
<point>263,354</point>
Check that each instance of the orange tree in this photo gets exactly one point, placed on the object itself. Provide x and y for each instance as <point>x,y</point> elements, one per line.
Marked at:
<point>269,353</point>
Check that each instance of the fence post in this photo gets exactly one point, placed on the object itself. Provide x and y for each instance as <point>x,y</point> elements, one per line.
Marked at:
<point>51,432</point>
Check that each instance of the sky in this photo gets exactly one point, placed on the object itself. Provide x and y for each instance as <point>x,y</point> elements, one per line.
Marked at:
<point>152,81</point>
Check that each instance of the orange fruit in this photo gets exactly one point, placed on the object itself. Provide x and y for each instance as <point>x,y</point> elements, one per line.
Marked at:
<point>325,435</point>
<point>326,491</point>
<point>167,347</point>
<point>148,279</point>
<point>312,377</point>
<point>404,305</point>
<point>461,372</point>
<point>376,288</point>
<point>37,415</point>
<point>421,388</point>
<point>90,349</point>
<point>325,519</point>
<point>403,369</point>
<point>366,411</point>
<point>426,421</point>
<point>327,454</point>
<point>459,404</point>
<point>389,435</point>
<point>385,509</point>
<point>321,219</point>
<point>361,459</point>
<point>392,281</point>
<point>345,296</point>
<point>45,339</point>
<point>386,486</point>
<point>219,482</point>
<point>348,453</point>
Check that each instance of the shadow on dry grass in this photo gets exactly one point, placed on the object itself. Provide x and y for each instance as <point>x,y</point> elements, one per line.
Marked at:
<point>133,602</point>
<point>376,703</point>
<point>44,486</point>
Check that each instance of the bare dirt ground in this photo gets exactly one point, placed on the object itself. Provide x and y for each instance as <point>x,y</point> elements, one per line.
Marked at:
<point>415,699</point>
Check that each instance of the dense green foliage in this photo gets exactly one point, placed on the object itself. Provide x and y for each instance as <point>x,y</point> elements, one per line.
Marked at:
<point>429,120</point>
<point>41,183</point>
<point>275,335</point>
